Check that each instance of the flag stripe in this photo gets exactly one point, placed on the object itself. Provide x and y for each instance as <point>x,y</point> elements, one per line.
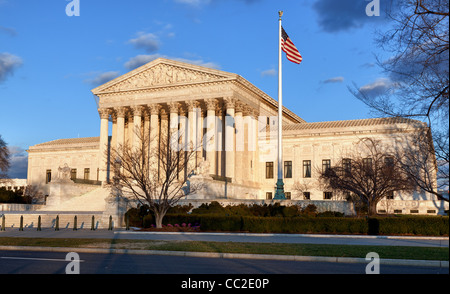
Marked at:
<point>289,48</point>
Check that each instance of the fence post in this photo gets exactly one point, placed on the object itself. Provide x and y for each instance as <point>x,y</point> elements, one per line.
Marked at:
<point>93,224</point>
<point>110,223</point>
<point>57,223</point>
<point>21,223</point>
<point>3,223</point>
<point>39,224</point>
<point>128,222</point>
<point>75,223</point>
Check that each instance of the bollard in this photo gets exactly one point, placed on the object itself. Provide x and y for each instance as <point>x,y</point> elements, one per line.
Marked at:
<point>93,224</point>
<point>3,223</point>
<point>21,223</point>
<point>39,224</point>
<point>110,223</point>
<point>75,223</point>
<point>57,223</point>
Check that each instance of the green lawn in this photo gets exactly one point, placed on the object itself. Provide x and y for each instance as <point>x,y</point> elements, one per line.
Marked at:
<point>388,252</point>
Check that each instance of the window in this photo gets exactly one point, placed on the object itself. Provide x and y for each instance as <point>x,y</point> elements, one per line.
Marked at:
<point>306,195</point>
<point>327,195</point>
<point>288,169</point>
<point>86,173</point>
<point>347,166</point>
<point>306,168</point>
<point>397,211</point>
<point>390,195</point>
<point>367,165</point>
<point>288,195</point>
<point>73,173</point>
<point>48,176</point>
<point>431,211</point>
<point>389,161</point>
<point>326,164</point>
<point>269,195</point>
<point>269,170</point>
<point>414,211</point>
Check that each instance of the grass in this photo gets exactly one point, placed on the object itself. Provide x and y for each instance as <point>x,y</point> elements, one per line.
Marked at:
<point>387,252</point>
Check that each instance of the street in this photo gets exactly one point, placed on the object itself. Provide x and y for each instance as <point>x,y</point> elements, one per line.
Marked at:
<point>29,262</point>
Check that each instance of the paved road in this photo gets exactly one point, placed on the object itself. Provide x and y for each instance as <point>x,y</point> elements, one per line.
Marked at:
<point>233,237</point>
<point>29,262</point>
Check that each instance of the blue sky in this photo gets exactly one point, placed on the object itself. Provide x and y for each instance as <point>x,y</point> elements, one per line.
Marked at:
<point>50,61</point>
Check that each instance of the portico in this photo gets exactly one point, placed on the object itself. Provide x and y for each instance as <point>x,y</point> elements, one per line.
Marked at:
<point>214,112</point>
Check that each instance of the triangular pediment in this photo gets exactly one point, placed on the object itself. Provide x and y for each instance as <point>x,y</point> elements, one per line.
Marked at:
<point>163,72</point>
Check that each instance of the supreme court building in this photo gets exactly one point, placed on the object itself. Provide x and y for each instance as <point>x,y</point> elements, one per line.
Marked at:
<point>238,160</point>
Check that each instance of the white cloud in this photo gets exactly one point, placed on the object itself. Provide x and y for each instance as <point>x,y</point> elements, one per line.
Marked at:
<point>269,72</point>
<point>195,3</point>
<point>8,64</point>
<point>147,41</point>
<point>18,162</point>
<point>379,87</point>
<point>103,78</point>
<point>333,80</point>
<point>140,60</point>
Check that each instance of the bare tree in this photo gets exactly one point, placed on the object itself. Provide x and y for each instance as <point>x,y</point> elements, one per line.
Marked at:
<point>155,172</point>
<point>4,158</point>
<point>418,68</point>
<point>421,165</point>
<point>371,172</point>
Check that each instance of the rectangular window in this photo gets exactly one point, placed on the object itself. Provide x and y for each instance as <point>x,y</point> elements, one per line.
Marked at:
<point>306,195</point>
<point>48,176</point>
<point>269,195</point>
<point>390,195</point>
<point>306,168</point>
<point>397,211</point>
<point>431,211</point>
<point>288,195</point>
<point>288,169</point>
<point>269,170</point>
<point>347,166</point>
<point>86,173</point>
<point>327,195</point>
<point>73,173</point>
<point>414,211</point>
<point>326,164</point>
<point>367,165</point>
<point>389,161</point>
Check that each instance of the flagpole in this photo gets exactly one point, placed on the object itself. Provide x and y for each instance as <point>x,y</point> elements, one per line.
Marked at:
<point>279,194</point>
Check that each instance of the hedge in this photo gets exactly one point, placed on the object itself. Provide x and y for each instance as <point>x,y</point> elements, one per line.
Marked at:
<point>414,225</point>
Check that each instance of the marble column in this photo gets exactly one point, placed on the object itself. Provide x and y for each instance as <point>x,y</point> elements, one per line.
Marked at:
<point>210,136</point>
<point>239,126</point>
<point>230,138</point>
<point>137,124</point>
<point>154,136</point>
<point>104,138</point>
<point>192,139</point>
<point>120,113</point>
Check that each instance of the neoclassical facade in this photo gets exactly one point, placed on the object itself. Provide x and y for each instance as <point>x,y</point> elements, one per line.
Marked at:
<point>231,124</point>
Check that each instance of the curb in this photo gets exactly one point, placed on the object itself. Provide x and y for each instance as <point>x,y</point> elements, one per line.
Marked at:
<point>403,262</point>
<point>284,235</point>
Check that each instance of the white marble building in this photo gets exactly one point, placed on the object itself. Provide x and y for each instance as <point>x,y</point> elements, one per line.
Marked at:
<point>239,121</point>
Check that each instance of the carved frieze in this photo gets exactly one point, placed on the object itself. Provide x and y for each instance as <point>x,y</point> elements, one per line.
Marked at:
<point>162,74</point>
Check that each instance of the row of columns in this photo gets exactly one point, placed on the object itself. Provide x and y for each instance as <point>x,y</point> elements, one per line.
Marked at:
<point>223,131</point>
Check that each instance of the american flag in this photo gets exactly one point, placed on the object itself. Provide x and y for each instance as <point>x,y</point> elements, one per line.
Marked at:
<point>289,48</point>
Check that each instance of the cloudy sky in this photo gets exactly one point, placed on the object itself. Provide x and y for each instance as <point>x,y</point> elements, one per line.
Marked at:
<point>49,61</point>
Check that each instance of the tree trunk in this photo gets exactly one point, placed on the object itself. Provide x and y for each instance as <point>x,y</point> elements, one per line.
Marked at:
<point>158,219</point>
<point>372,208</point>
